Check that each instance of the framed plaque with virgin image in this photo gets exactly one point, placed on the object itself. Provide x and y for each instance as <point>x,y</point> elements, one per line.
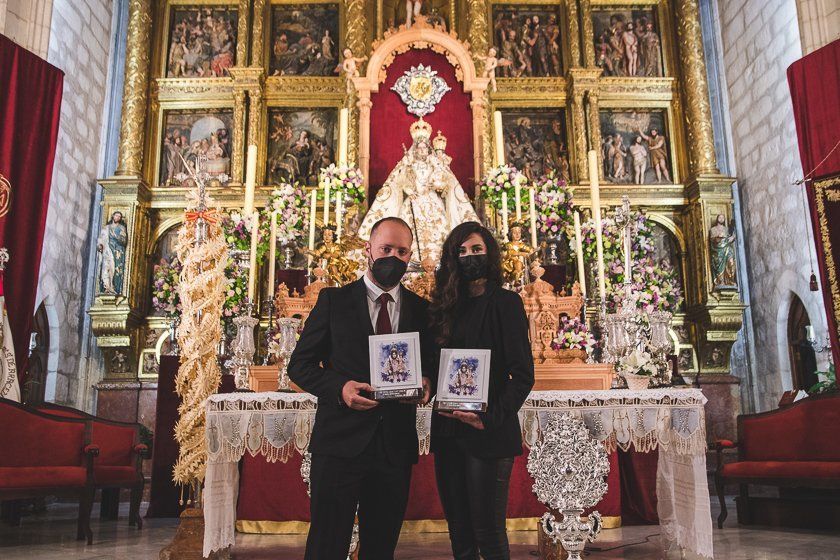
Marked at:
<point>395,372</point>
<point>463,380</point>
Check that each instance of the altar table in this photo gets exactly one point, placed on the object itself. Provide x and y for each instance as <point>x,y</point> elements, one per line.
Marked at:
<point>278,425</point>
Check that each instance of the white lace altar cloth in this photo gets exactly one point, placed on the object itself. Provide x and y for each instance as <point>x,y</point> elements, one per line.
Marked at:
<point>276,425</point>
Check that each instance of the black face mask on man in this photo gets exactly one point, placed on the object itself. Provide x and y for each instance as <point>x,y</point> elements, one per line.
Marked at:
<point>388,271</point>
<point>473,267</point>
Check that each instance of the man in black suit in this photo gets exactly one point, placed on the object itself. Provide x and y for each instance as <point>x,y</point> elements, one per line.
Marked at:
<point>362,450</point>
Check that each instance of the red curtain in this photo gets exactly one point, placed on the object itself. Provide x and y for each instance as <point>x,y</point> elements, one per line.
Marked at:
<point>30,103</point>
<point>389,121</point>
<point>815,91</point>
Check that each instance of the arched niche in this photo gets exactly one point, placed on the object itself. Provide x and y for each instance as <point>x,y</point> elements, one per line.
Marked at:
<point>420,36</point>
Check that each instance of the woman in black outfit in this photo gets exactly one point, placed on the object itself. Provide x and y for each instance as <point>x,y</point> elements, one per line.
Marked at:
<point>474,451</point>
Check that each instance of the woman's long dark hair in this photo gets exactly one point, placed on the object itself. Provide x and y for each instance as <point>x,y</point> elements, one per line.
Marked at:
<point>449,286</point>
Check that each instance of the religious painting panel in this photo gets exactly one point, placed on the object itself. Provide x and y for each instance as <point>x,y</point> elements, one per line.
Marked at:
<point>201,41</point>
<point>527,38</point>
<point>188,134</point>
<point>405,12</point>
<point>165,272</point>
<point>666,251</point>
<point>635,146</point>
<point>300,142</point>
<point>304,39</point>
<point>535,141</point>
<point>628,42</point>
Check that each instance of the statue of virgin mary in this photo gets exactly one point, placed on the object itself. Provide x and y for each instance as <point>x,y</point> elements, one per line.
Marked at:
<point>423,191</point>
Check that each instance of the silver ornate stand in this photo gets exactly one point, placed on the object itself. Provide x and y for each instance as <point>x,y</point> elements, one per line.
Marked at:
<point>288,328</point>
<point>243,348</point>
<point>570,471</point>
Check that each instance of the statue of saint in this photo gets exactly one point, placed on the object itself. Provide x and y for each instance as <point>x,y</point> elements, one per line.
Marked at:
<point>111,244</point>
<point>423,191</point>
<point>332,257</point>
<point>515,256</point>
<point>722,249</point>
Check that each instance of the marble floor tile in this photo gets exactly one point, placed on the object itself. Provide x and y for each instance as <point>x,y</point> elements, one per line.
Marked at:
<point>50,536</point>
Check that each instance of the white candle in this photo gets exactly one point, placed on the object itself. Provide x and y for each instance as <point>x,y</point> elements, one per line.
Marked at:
<point>517,194</point>
<point>272,253</point>
<point>579,255</point>
<point>250,180</point>
<point>326,204</point>
<point>533,208</point>
<point>504,215</point>
<point>313,209</point>
<point>343,118</point>
<point>596,216</point>
<point>339,214</point>
<point>252,268</point>
<point>628,264</point>
<point>499,138</point>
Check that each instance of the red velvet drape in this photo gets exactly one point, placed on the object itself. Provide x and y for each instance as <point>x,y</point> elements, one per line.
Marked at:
<point>815,91</point>
<point>389,121</point>
<point>30,103</point>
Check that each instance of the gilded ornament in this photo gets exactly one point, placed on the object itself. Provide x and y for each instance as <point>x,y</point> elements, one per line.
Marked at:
<point>421,89</point>
<point>135,88</point>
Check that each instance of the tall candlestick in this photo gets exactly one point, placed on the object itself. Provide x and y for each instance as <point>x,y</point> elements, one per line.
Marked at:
<point>272,254</point>
<point>250,180</point>
<point>326,204</point>
<point>579,255</point>
<point>517,195</point>
<point>313,209</point>
<point>499,138</point>
<point>504,215</point>
<point>533,208</point>
<point>339,214</point>
<point>343,117</point>
<point>595,194</point>
<point>252,268</point>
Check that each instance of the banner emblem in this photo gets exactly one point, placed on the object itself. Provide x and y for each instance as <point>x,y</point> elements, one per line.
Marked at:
<point>5,195</point>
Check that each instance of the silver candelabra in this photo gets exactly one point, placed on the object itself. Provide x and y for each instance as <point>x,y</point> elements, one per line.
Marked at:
<point>243,347</point>
<point>287,329</point>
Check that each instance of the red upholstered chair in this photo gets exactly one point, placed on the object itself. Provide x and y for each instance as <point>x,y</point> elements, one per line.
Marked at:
<point>120,461</point>
<point>44,455</point>
<point>796,446</point>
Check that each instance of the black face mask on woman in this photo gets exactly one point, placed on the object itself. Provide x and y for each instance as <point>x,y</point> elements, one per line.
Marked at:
<point>473,267</point>
<point>388,271</point>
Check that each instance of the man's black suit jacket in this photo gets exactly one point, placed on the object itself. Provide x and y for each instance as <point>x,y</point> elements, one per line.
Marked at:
<point>332,350</point>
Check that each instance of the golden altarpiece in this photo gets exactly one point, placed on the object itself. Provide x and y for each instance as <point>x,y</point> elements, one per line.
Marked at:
<point>214,76</point>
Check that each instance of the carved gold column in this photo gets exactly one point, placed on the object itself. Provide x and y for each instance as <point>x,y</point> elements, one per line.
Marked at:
<point>243,25</point>
<point>238,148</point>
<point>135,88</point>
<point>479,33</point>
<point>364,104</point>
<point>588,34</point>
<point>357,41</point>
<point>257,34</point>
<point>594,125</point>
<point>574,32</point>
<point>698,114</point>
<point>579,135</point>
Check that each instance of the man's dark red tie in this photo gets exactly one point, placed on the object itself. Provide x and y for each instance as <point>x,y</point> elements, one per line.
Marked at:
<point>383,320</point>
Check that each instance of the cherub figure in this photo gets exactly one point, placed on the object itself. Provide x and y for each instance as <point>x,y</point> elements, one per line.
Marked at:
<point>331,256</point>
<point>515,257</point>
<point>491,62</point>
<point>350,67</point>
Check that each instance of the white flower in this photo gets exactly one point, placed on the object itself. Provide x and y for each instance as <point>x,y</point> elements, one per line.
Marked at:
<point>637,360</point>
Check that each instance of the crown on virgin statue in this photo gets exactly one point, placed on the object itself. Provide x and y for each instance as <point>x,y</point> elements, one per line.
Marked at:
<point>439,142</point>
<point>420,130</point>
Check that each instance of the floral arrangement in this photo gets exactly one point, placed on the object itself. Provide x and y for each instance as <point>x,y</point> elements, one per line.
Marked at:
<point>637,362</point>
<point>655,284</point>
<point>553,204</point>
<point>289,201</point>
<point>344,179</point>
<point>236,228</point>
<point>165,296</point>
<point>503,178</point>
<point>827,383</point>
<point>237,291</point>
<point>573,334</point>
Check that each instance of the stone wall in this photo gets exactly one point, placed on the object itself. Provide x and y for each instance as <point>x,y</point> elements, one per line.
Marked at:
<point>819,23</point>
<point>760,40</point>
<point>27,22</point>
<point>80,45</point>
